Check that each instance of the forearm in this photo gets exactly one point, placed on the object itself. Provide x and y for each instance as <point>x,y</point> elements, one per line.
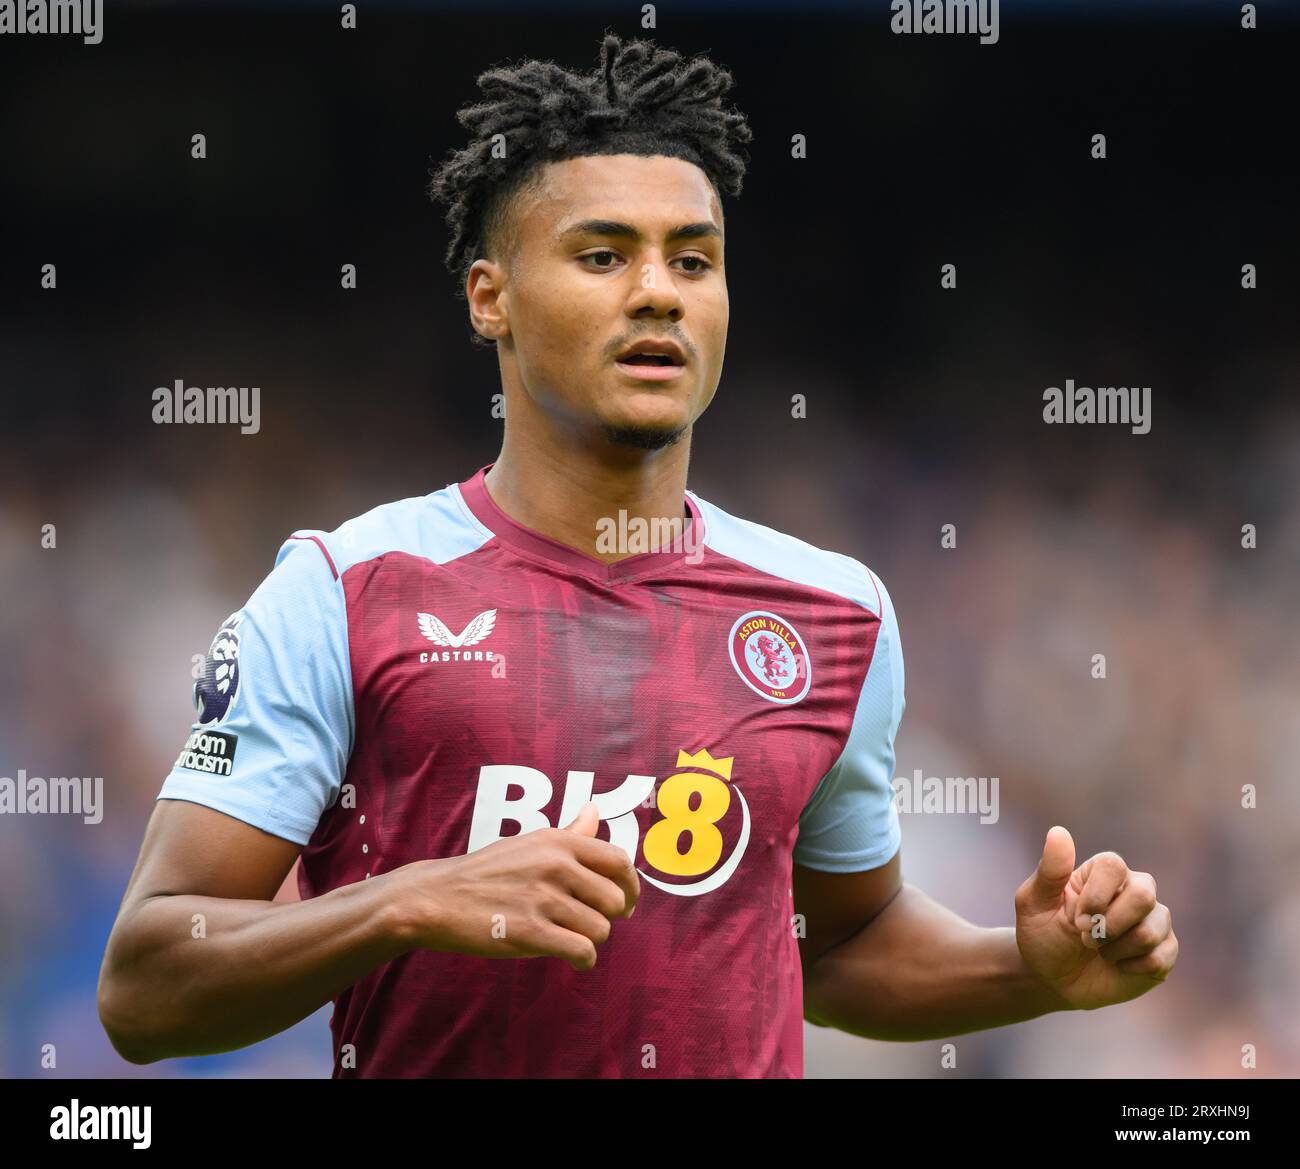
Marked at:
<point>919,971</point>
<point>172,987</point>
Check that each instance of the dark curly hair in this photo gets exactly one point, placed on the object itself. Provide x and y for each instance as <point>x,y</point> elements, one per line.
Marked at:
<point>641,99</point>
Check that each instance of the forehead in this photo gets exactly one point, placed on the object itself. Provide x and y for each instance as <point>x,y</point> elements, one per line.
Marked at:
<point>646,192</point>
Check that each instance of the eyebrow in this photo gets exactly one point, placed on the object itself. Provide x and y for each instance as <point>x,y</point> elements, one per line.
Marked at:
<point>614,227</point>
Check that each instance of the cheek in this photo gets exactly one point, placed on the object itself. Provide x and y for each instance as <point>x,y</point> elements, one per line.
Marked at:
<point>716,305</point>
<point>556,332</point>
<point>718,311</point>
<point>570,304</point>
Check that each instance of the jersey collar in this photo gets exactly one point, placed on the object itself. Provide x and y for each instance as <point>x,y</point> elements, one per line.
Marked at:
<point>509,531</point>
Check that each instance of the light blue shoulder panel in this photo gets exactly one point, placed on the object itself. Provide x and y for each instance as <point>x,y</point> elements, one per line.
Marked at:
<point>850,822</point>
<point>275,705</point>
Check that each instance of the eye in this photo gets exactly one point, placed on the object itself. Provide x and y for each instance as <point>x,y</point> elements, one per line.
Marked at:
<point>593,255</point>
<point>704,265</point>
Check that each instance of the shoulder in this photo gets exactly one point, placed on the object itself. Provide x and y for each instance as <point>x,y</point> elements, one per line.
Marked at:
<point>437,527</point>
<point>785,556</point>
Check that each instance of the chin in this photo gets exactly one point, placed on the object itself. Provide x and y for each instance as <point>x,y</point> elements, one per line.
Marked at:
<point>643,436</point>
<point>648,420</point>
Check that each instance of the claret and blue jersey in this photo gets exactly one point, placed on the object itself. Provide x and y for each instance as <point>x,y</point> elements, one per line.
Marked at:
<point>432,676</point>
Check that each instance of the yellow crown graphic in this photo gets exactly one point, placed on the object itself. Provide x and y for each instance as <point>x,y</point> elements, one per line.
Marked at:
<point>706,762</point>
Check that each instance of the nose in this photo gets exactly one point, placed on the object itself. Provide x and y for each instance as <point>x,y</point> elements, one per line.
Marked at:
<point>655,293</point>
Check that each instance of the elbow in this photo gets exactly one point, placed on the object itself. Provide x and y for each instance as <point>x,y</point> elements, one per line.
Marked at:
<point>122,1018</point>
<point>842,1008</point>
<point>118,1035</point>
<point>811,1016</point>
<point>119,1023</point>
<point>814,1010</point>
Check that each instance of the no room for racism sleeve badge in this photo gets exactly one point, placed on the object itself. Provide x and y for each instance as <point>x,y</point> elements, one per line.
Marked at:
<point>211,751</point>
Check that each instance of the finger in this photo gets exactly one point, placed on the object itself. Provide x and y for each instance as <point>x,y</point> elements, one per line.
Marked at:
<point>1071,903</point>
<point>1158,963</point>
<point>571,914</point>
<point>554,941</point>
<point>1102,875</point>
<point>1132,904</point>
<point>609,861</point>
<point>546,933</point>
<point>603,894</point>
<point>1142,938</point>
<point>587,821</point>
<point>1042,890</point>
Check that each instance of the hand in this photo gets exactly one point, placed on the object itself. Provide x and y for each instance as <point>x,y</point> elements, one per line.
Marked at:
<point>552,892</point>
<point>1134,948</point>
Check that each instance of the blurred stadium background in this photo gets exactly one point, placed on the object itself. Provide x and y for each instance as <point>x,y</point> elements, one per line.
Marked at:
<point>924,408</point>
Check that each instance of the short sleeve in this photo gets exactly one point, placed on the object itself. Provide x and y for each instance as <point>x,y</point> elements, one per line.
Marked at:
<point>850,822</point>
<point>274,705</point>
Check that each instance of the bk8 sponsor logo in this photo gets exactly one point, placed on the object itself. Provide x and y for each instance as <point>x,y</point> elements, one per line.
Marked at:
<point>700,780</point>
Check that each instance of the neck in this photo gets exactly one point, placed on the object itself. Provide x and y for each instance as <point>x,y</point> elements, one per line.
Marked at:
<point>566,492</point>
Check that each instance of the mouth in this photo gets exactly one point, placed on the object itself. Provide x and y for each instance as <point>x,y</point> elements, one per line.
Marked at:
<point>655,361</point>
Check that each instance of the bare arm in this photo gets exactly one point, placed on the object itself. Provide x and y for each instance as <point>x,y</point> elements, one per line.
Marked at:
<point>886,961</point>
<point>201,960</point>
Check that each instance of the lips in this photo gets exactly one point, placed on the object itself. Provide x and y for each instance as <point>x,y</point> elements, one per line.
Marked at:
<point>650,352</point>
<point>648,359</point>
<point>643,372</point>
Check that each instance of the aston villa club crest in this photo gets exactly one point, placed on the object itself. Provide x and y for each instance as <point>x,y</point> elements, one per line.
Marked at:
<point>770,657</point>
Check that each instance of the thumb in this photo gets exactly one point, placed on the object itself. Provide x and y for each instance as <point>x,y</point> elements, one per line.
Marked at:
<point>1043,889</point>
<point>587,822</point>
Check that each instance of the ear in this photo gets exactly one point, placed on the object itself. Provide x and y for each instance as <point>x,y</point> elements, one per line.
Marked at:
<point>488,303</point>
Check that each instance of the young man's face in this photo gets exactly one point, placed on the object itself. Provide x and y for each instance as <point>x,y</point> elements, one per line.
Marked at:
<point>580,289</point>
